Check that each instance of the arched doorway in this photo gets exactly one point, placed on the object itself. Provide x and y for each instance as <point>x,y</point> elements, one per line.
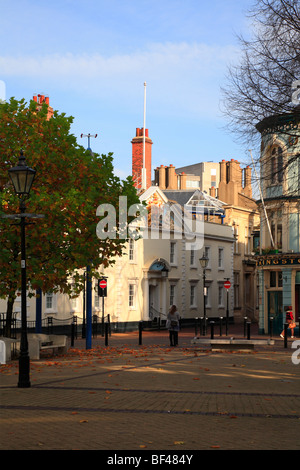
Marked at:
<point>157,282</point>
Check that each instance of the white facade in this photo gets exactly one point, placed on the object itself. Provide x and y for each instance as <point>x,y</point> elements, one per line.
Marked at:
<point>139,289</point>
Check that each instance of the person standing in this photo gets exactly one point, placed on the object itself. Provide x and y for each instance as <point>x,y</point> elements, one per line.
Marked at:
<point>289,318</point>
<point>173,325</point>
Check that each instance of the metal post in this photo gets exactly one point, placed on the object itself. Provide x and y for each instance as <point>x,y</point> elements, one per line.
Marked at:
<point>88,339</point>
<point>285,334</point>
<point>196,326</point>
<point>140,332</point>
<point>106,334</point>
<point>248,329</point>
<point>88,330</point>
<point>95,326</point>
<point>24,361</point>
<point>227,313</point>
<point>72,332</point>
<point>221,324</point>
<point>204,303</point>
<point>271,327</point>
<point>102,327</point>
<point>212,324</point>
<point>245,326</point>
<point>201,326</point>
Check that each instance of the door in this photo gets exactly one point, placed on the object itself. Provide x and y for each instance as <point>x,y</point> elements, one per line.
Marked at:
<point>153,302</point>
<point>275,310</point>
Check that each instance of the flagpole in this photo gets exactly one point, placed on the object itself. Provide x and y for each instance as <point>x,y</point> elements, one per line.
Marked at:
<point>144,176</point>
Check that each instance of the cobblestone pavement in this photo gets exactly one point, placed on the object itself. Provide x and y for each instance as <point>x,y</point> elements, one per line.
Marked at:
<point>151,397</point>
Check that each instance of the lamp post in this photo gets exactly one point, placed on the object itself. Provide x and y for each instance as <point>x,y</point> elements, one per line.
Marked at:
<point>227,286</point>
<point>22,178</point>
<point>204,263</point>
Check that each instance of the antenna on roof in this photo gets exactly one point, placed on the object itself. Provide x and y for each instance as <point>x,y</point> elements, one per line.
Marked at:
<point>88,136</point>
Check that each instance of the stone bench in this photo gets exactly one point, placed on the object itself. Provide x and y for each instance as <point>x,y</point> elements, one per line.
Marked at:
<point>38,342</point>
<point>231,344</point>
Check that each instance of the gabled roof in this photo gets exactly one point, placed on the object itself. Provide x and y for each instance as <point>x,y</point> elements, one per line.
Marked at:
<point>153,192</point>
<point>172,213</point>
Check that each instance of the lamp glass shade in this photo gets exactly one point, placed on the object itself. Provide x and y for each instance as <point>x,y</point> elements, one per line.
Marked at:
<point>22,177</point>
<point>203,261</point>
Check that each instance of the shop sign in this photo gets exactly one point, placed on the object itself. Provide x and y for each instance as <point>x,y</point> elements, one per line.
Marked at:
<point>278,261</point>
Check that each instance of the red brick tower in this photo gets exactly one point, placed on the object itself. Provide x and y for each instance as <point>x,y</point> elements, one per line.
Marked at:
<point>137,158</point>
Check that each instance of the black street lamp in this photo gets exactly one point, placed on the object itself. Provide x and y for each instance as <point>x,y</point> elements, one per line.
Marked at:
<point>204,262</point>
<point>22,178</point>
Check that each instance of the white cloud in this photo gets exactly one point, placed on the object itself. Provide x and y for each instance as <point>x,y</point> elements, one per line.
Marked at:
<point>166,57</point>
<point>183,76</point>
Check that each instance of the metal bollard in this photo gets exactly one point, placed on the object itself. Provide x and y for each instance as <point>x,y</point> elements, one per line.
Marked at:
<point>221,324</point>
<point>106,334</point>
<point>271,327</point>
<point>72,333</point>
<point>196,326</point>
<point>245,326</point>
<point>248,329</point>
<point>204,326</point>
<point>201,326</point>
<point>285,334</point>
<point>212,324</point>
<point>140,332</point>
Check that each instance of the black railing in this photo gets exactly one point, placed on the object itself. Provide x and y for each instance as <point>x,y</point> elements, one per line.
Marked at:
<point>69,326</point>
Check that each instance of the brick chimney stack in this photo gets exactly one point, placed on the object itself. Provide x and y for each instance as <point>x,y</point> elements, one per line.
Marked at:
<point>40,99</point>
<point>137,158</point>
<point>231,182</point>
<point>247,182</point>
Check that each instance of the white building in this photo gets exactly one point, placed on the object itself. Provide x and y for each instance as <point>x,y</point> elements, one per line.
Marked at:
<point>157,272</point>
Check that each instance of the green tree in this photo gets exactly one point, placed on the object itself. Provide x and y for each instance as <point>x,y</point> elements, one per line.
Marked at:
<point>70,184</point>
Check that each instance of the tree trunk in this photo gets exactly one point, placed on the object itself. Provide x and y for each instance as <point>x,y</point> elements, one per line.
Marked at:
<point>9,312</point>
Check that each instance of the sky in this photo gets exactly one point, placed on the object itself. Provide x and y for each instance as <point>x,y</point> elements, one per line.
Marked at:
<point>92,58</point>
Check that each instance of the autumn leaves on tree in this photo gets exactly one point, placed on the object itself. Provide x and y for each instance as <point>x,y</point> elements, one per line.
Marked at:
<point>70,183</point>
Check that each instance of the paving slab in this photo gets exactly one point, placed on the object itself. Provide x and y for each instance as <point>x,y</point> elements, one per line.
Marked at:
<point>152,398</point>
